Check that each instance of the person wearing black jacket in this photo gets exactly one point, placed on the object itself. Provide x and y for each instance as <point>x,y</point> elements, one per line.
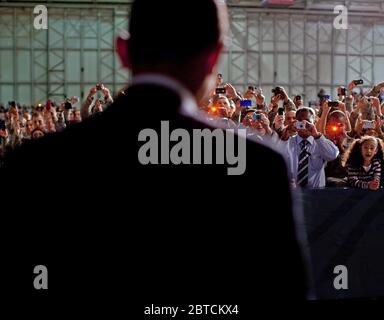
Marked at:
<point>164,231</point>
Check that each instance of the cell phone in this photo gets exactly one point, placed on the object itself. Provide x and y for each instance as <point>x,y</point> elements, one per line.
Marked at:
<point>367,124</point>
<point>99,86</point>
<point>280,111</point>
<point>256,116</point>
<point>333,104</point>
<point>300,125</point>
<point>221,91</point>
<point>357,82</point>
<point>246,103</point>
<point>251,88</point>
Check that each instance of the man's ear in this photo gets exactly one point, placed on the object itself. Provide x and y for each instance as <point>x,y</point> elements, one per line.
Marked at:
<point>122,43</point>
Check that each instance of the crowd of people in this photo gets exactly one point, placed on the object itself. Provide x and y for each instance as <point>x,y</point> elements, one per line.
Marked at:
<point>19,124</point>
<point>331,143</point>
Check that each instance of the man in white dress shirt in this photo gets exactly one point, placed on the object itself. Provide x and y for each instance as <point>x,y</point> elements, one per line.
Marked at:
<point>308,152</point>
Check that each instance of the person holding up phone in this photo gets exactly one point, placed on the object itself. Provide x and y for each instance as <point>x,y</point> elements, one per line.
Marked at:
<point>90,105</point>
<point>256,96</point>
<point>283,123</point>
<point>281,95</point>
<point>298,101</point>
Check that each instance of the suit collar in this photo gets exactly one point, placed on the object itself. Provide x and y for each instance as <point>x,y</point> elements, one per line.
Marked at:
<point>188,102</point>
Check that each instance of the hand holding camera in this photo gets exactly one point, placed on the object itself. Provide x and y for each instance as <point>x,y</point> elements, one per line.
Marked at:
<point>275,100</point>
<point>230,91</point>
<point>264,120</point>
<point>354,84</point>
<point>279,92</point>
<point>276,91</point>
<point>289,131</point>
<point>106,93</point>
<point>260,99</point>
<point>99,87</point>
<point>278,121</point>
<point>92,91</point>
<point>305,125</point>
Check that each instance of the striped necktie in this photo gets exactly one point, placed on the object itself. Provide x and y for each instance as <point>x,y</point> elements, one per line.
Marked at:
<point>302,170</point>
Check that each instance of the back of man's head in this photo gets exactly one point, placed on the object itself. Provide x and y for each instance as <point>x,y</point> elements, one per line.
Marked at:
<point>169,31</point>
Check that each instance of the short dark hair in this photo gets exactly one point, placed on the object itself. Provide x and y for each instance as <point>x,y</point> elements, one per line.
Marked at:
<point>306,109</point>
<point>172,31</point>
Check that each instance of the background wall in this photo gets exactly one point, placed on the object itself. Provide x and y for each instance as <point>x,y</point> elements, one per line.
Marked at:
<point>297,48</point>
<point>301,50</point>
<point>77,51</point>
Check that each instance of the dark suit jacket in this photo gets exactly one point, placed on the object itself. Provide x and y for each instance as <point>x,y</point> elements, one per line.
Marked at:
<point>101,221</point>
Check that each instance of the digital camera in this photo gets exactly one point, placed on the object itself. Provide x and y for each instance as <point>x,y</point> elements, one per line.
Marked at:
<point>301,125</point>
<point>256,117</point>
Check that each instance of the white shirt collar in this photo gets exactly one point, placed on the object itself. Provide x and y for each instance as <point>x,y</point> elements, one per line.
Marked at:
<point>310,139</point>
<point>188,102</point>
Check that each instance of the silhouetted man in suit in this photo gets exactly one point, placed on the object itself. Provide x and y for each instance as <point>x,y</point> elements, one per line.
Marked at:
<point>177,233</point>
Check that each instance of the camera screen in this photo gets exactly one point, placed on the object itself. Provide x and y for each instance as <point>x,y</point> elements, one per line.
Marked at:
<point>221,91</point>
<point>246,103</point>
